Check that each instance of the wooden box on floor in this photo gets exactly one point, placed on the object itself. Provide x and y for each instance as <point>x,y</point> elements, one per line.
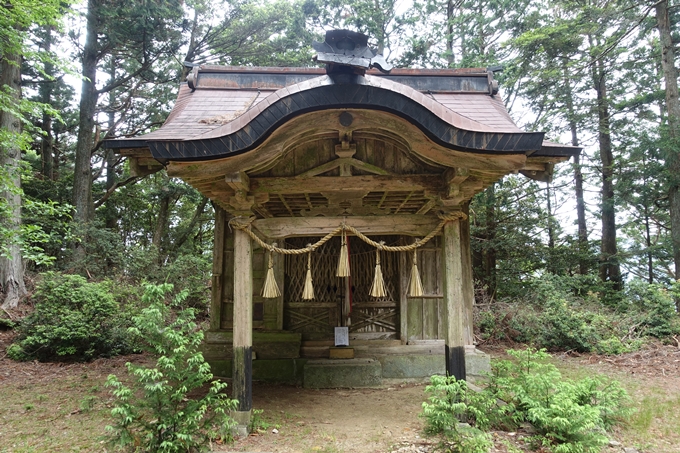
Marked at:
<point>341,353</point>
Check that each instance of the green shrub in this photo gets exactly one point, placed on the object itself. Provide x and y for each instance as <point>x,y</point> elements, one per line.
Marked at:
<point>568,327</point>
<point>73,320</point>
<point>188,273</point>
<point>157,412</point>
<point>104,254</point>
<point>7,324</point>
<point>191,274</point>
<point>451,401</point>
<point>569,416</point>
<point>556,315</point>
<point>652,308</point>
<point>614,345</point>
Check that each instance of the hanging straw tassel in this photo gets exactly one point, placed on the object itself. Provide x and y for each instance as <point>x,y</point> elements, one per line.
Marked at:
<point>378,287</point>
<point>416,286</point>
<point>270,290</point>
<point>308,291</point>
<point>343,262</point>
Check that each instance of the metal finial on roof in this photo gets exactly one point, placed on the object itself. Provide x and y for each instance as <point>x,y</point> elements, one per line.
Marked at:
<point>350,49</point>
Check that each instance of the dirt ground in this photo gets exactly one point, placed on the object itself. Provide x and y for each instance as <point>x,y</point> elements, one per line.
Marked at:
<point>386,420</point>
<point>64,407</point>
<point>300,420</point>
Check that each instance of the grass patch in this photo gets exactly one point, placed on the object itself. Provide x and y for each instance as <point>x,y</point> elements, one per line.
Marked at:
<point>654,426</point>
<point>63,417</point>
<point>656,422</point>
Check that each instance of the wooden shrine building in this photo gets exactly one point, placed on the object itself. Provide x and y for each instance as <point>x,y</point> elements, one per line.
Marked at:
<point>307,167</point>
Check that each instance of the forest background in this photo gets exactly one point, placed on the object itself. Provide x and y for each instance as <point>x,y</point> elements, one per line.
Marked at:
<point>587,261</point>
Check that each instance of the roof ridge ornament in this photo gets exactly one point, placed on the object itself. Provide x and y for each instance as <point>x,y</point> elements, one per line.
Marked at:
<point>344,49</point>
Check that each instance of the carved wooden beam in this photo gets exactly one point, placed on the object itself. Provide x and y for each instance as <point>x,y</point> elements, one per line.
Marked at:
<point>453,178</point>
<point>345,164</point>
<point>238,181</point>
<point>411,225</point>
<point>143,166</point>
<point>378,183</point>
<point>456,175</point>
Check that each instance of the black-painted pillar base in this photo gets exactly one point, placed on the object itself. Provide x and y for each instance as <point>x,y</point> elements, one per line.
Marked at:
<point>243,377</point>
<point>455,361</point>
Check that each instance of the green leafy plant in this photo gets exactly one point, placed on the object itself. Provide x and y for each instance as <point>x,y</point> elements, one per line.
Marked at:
<point>558,313</point>
<point>614,345</point>
<point>258,424</point>
<point>568,416</point>
<point>73,320</point>
<point>157,412</point>
<point>652,308</point>
<point>451,401</point>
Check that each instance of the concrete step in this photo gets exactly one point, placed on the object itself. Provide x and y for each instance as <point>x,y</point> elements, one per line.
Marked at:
<point>338,373</point>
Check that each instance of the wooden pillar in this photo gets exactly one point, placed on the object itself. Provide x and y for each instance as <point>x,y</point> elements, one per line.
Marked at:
<point>454,300</point>
<point>468,279</point>
<point>404,276</point>
<point>243,321</point>
<point>217,291</point>
<point>279,275</point>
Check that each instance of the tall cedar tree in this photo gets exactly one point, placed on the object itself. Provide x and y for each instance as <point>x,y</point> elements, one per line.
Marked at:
<point>670,73</point>
<point>15,20</point>
<point>144,32</point>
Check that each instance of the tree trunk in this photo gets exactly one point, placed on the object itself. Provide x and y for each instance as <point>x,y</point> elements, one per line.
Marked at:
<point>551,232</point>
<point>82,177</point>
<point>648,243</point>
<point>610,269</point>
<point>11,266</point>
<point>673,109</point>
<point>583,248</point>
<point>192,224</point>
<point>449,33</point>
<point>111,178</point>
<point>489,248</point>
<point>46,89</point>
<point>161,224</point>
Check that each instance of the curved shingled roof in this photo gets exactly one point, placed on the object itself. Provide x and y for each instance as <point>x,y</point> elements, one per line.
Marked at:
<point>230,110</point>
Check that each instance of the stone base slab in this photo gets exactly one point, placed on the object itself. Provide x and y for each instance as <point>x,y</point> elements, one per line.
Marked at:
<point>242,419</point>
<point>335,373</point>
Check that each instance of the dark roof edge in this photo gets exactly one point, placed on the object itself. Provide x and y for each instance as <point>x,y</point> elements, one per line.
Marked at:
<point>550,149</point>
<point>322,71</point>
<point>250,130</point>
<point>123,143</point>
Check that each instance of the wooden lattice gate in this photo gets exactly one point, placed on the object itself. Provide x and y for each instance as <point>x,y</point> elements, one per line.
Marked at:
<point>368,318</point>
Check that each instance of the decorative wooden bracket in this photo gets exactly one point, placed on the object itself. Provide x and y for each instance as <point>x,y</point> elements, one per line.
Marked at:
<point>535,172</point>
<point>345,151</point>
<point>453,178</point>
<point>346,164</point>
<point>242,203</point>
<point>240,184</point>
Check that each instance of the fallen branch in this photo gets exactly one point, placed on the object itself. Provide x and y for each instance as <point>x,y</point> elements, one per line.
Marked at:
<point>629,335</point>
<point>12,319</point>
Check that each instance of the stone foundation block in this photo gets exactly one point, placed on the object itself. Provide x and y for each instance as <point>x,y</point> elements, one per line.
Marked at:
<point>477,363</point>
<point>327,373</point>
<point>410,366</point>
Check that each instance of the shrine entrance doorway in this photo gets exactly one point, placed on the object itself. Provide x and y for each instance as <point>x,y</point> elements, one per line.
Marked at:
<point>342,301</point>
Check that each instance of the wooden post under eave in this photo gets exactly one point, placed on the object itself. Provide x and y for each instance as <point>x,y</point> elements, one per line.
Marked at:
<point>454,300</point>
<point>468,279</point>
<point>218,269</point>
<point>243,324</point>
